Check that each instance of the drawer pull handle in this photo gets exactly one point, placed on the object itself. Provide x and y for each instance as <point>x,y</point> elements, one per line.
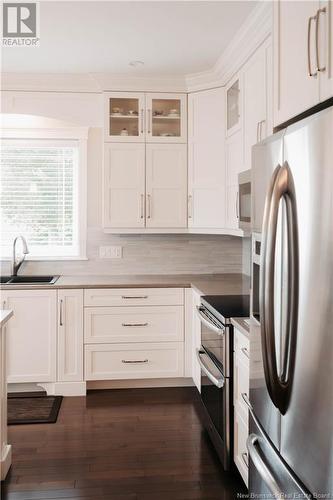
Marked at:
<point>126,361</point>
<point>245,459</point>
<point>134,297</point>
<point>245,352</point>
<point>134,324</point>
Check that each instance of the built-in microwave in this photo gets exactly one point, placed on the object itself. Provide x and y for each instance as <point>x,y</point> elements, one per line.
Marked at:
<point>244,200</point>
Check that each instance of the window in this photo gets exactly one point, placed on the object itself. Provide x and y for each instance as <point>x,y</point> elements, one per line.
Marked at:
<point>40,197</point>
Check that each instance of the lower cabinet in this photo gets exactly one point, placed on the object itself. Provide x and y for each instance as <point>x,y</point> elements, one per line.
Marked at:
<point>70,335</point>
<point>134,333</point>
<point>31,335</point>
<point>196,342</point>
<point>241,387</point>
<point>134,361</point>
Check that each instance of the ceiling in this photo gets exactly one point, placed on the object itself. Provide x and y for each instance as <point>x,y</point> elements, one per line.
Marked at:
<point>171,37</point>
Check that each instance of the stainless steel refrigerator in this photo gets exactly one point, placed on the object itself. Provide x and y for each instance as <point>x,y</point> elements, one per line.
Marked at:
<point>291,335</point>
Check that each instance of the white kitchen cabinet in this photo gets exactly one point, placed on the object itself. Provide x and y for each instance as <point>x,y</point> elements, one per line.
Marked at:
<point>124,186</point>
<point>166,186</point>
<point>70,335</point>
<point>124,117</point>
<point>133,324</point>
<point>139,117</point>
<point>325,52</point>
<point>241,376</point>
<point>257,100</point>
<point>196,342</point>
<point>166,118</point>
<point>103,297</point>
<point>302,74</point>
<point>134,360</point>
<point>234,165</point>
<point>31,335</point>
<point>233,98</point>
<point>206,159</point>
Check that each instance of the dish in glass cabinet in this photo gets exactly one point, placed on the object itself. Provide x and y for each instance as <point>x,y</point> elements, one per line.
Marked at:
<point>166,134</point>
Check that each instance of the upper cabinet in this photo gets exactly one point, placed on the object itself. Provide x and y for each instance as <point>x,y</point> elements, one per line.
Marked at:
<point>233,105</point>
<point>166,118</point>
<point>124,117</point>
<point>257,99</point>
<point>139,117</point>
<point>206,159</point>
<point>303,57</point>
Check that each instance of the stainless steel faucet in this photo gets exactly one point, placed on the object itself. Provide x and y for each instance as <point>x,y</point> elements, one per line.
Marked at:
<point>16,264</point>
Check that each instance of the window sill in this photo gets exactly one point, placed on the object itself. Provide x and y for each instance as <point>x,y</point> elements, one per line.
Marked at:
<point>42,258</point>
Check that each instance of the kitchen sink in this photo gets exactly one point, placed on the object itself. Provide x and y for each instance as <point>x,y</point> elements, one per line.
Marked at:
<point>28,280</point>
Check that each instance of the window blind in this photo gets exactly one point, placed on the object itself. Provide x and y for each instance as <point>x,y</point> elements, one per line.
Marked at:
<point>39,196</point>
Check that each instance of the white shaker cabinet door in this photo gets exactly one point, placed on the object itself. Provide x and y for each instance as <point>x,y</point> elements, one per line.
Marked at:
<point>295,90</point>
<point>31,335</point>
<point>256,101</point>
<point>70,335</point>
<point>124,185</point>
<point>325,49</point>
<point>206,157</point>
<point>196,342</point>
<point>234,165</point>
<point>166,186</point>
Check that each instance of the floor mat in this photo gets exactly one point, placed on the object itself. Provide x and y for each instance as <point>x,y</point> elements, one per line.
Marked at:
<point>33,408</point>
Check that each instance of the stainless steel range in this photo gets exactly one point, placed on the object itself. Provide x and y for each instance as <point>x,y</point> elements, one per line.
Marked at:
<point>215,359</point>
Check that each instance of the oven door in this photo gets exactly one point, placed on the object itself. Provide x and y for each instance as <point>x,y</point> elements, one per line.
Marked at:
<point>244,200</point>
<point>215,394</point>
<point>215,339</point>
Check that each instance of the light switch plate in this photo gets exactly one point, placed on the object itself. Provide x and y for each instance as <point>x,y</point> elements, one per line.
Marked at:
<point>110,252</point>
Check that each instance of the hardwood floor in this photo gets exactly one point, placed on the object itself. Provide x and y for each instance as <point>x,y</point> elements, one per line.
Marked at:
<point>142,444</point>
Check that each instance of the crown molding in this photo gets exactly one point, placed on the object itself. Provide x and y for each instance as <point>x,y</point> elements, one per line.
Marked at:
<point>91,82</point>
<point>249,37</point>
<point>256,29</point>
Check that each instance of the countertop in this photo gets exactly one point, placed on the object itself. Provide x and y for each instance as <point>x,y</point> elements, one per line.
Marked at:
<point>204,284</point>
<point>241,325</point>
<point>5,314</point>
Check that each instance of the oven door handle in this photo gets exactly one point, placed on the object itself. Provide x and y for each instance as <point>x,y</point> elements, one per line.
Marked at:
<point>206,321</point>
<point>217,378</point>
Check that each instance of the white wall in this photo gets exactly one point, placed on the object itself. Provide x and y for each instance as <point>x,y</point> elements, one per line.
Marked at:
<point>141,253</point>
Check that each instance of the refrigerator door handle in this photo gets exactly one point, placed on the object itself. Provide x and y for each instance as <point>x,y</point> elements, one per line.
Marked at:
<point>252,444</point>
<point>279,387</point>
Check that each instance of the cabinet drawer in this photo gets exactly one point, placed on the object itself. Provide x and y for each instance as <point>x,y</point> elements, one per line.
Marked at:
<point>240,451</point>
<point>134,361</point>
<point>241,386</point>
<point>100,297</point>
<point>242,347</point>
<point>133,324</point>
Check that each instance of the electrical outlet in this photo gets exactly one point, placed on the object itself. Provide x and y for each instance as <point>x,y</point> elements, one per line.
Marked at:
<point>112,252</point>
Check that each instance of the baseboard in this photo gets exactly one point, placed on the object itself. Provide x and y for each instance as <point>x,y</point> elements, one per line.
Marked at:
<point>142,383</point>
<point>5,462</point>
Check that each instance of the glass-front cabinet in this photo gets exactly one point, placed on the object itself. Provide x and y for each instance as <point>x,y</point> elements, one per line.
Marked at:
<point>233,106</point>
<point>166,118</point>
<point>124,117</point>
<point>145,117</point>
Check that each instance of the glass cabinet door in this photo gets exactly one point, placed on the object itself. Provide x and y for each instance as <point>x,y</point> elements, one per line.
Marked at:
<point>166,118</point>
<point>125,117</point>
<point>233,107</point>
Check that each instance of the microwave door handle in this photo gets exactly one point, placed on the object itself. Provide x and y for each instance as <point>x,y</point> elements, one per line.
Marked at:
<point>218,381</point>
<point>205,320</point>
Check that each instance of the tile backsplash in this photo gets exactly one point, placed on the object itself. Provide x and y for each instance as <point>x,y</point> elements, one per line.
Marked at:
<point>149,254</point>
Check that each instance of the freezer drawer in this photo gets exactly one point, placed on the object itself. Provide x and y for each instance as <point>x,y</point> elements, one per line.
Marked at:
<point>269,476</point>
